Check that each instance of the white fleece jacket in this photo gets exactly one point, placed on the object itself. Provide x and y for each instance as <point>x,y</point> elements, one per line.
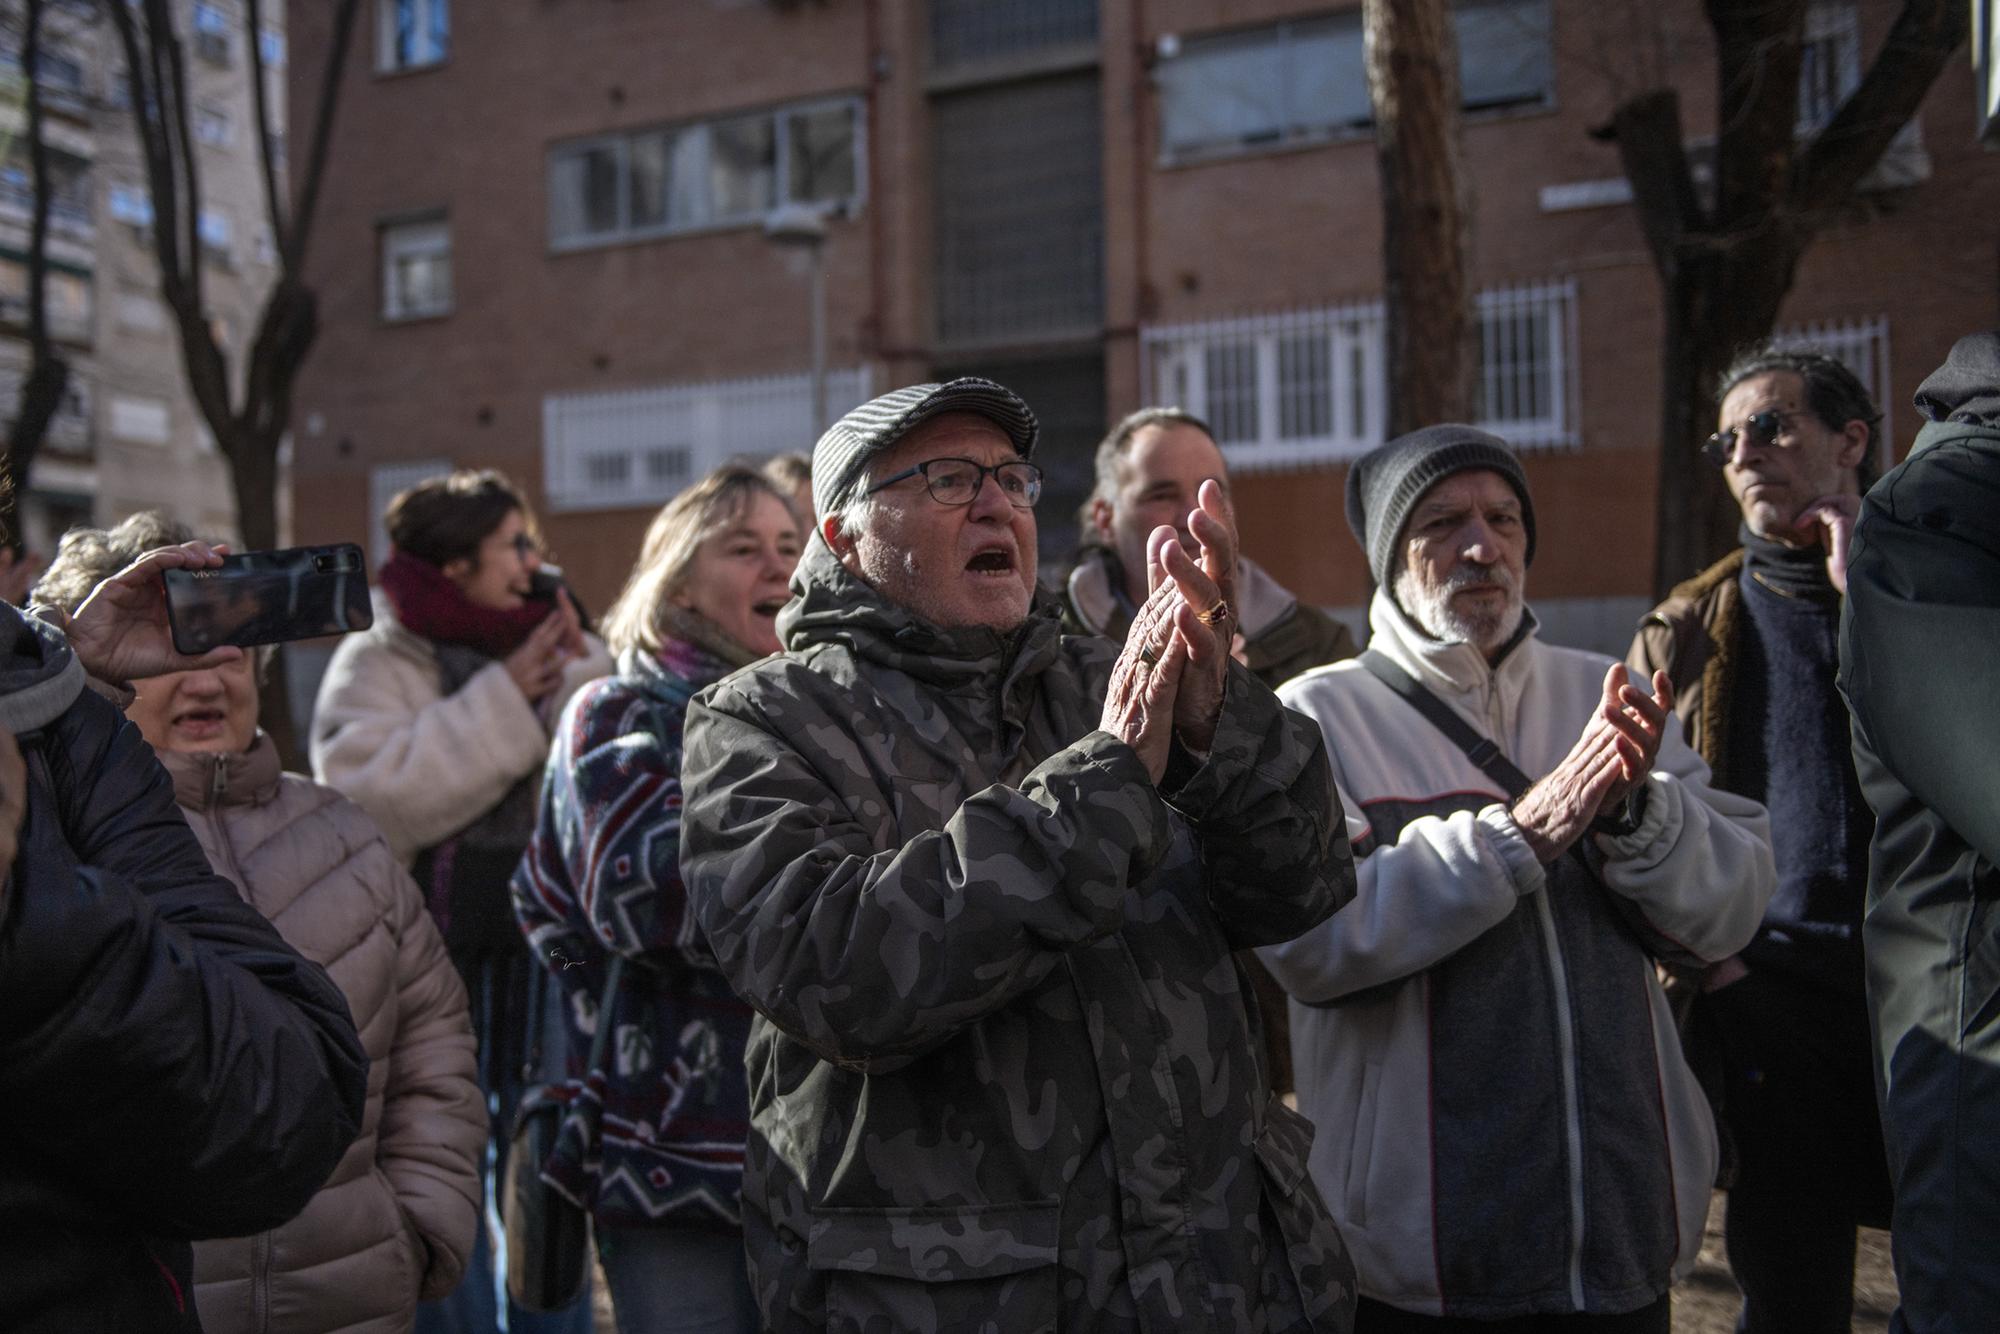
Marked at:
<point>1459,997</point>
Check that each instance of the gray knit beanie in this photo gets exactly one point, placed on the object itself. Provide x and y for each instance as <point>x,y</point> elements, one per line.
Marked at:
<point>840,459</point>
<point>1386,483</point>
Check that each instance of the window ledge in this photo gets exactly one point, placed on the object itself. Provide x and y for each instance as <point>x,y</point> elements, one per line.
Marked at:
<point>414,317</point>
<point>1344,135</point>
<point>391,72</point>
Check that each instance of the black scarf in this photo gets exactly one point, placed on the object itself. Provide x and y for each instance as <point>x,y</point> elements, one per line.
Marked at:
<point>1794,572</point>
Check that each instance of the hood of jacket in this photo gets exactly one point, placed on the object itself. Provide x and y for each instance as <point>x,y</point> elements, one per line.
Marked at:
<point>208,781</point>
<point>831,606</point>
<point>39,676</point>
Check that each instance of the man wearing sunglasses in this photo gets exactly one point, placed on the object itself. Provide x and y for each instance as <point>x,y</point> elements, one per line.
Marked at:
<point>1780,1033</point>
<point>982,880</point>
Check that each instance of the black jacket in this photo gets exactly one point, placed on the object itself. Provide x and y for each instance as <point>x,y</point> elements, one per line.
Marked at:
<point>169,1068</point>
<point>1920,665</point>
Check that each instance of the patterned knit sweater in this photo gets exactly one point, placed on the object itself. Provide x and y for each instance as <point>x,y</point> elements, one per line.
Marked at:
<point>658,1133</point>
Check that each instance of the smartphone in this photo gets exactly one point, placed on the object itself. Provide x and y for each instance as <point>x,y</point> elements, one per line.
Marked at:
<point>269,597</point>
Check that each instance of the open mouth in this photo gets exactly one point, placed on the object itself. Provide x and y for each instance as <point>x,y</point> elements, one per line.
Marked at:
<point>992,561</point>
<point>769,606</point>
<point>202,721</point>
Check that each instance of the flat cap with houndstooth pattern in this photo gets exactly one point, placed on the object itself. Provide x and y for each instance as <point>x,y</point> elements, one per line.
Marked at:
<point>840,459</point>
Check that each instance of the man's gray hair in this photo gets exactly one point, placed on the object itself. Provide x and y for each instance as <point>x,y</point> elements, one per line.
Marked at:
<point>1833,391</point>
<point>1119,443</point>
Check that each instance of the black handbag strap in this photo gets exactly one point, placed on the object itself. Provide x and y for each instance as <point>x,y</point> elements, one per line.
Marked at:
<point>1478,748</point>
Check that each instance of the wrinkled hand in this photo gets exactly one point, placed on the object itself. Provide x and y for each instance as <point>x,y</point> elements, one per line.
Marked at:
<point>1613,756</point>
<point>121,632</point>
<point>537,665</point>
<point>1641,717</point>
<point>1206,583</point>
<point>13,805</point>
<point>1830,521</point>
<point>1139,704</point>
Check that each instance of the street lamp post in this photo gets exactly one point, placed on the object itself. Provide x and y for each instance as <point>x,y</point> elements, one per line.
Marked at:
<point>804,225</point>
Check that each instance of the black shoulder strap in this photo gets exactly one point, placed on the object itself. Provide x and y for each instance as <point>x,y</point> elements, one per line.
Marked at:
<point>1479,749</point>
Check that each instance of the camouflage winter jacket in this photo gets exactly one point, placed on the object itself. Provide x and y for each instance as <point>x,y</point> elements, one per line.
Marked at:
<point>1006,1072</point>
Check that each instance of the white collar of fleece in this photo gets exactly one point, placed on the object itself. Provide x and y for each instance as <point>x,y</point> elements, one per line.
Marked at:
<point>1453,668</point>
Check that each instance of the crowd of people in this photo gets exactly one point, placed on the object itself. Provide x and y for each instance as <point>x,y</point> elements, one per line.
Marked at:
<point>915,943</point>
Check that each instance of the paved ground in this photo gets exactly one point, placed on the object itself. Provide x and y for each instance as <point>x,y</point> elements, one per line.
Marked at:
<point>1707,1302</point>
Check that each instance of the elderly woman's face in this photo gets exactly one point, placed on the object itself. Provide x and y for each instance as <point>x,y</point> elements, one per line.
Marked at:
<point>212,711</point>
<point>740,576</point>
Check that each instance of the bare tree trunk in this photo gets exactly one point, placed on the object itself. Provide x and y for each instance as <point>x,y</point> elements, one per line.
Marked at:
<point>47,380</point>
<point>1412,58</point>
<point>1725,265</point>
<point>249,429</point>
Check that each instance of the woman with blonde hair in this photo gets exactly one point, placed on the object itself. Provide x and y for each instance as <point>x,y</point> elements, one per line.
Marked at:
<point>652,1144</point>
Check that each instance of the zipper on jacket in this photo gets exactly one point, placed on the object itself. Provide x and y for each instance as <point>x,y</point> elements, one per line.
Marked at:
<point>233,871</point>
<point>1572,1113</point>
<point>260,1282</point>
<point>218,781</point>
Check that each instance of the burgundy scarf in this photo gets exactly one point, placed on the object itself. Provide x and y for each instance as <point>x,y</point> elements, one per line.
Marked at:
<point>431,606</point>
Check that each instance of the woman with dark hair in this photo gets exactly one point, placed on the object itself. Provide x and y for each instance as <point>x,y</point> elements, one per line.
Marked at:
<point>653,1142</point>
<point>436,722</point>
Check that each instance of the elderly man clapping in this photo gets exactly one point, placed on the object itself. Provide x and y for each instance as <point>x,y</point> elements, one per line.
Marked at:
<point>981,880</point>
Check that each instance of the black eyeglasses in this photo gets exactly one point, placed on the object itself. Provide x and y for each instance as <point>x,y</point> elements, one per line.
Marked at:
<point>525,545</point>
<point>1758,429</point>
<point>957,481</point>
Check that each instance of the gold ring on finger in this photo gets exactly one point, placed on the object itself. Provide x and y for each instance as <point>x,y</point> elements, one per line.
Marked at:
<point>1219,612</point>
<point>1147,656</point>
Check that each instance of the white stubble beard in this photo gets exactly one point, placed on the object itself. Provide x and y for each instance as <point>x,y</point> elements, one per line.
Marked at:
<point>1432,608</point>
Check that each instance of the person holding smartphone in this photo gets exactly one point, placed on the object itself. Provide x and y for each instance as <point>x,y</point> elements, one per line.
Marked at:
<point>396,1219</point>
<point>436,722</point>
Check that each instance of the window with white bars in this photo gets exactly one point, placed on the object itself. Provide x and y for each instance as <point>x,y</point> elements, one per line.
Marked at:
<point>1311,386</point>
<point>621,449</point>
<point>1863,347</point>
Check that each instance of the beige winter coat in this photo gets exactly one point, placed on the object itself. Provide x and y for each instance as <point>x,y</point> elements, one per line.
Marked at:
<point>395,1222</point>
<point>423,763</point>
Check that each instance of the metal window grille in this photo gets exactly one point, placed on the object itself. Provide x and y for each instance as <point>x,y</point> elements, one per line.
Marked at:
<point>1863,347</point>
<point>965,32</point>
<point>1019,203</point>
<point>1311,386</point>
<point>622,449</point>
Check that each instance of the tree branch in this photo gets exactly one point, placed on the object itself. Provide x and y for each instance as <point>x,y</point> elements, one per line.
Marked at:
<point>329,100</point>
<point>1653,151</point>
<point>1925,35</point>
<point>261,103</point>
<point>1757,57</point>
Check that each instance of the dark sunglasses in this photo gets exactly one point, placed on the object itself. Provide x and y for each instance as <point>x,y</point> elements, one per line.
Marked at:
<point>1758,430</point>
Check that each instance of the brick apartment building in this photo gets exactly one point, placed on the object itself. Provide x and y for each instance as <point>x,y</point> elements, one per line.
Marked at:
<point>542,249</point>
